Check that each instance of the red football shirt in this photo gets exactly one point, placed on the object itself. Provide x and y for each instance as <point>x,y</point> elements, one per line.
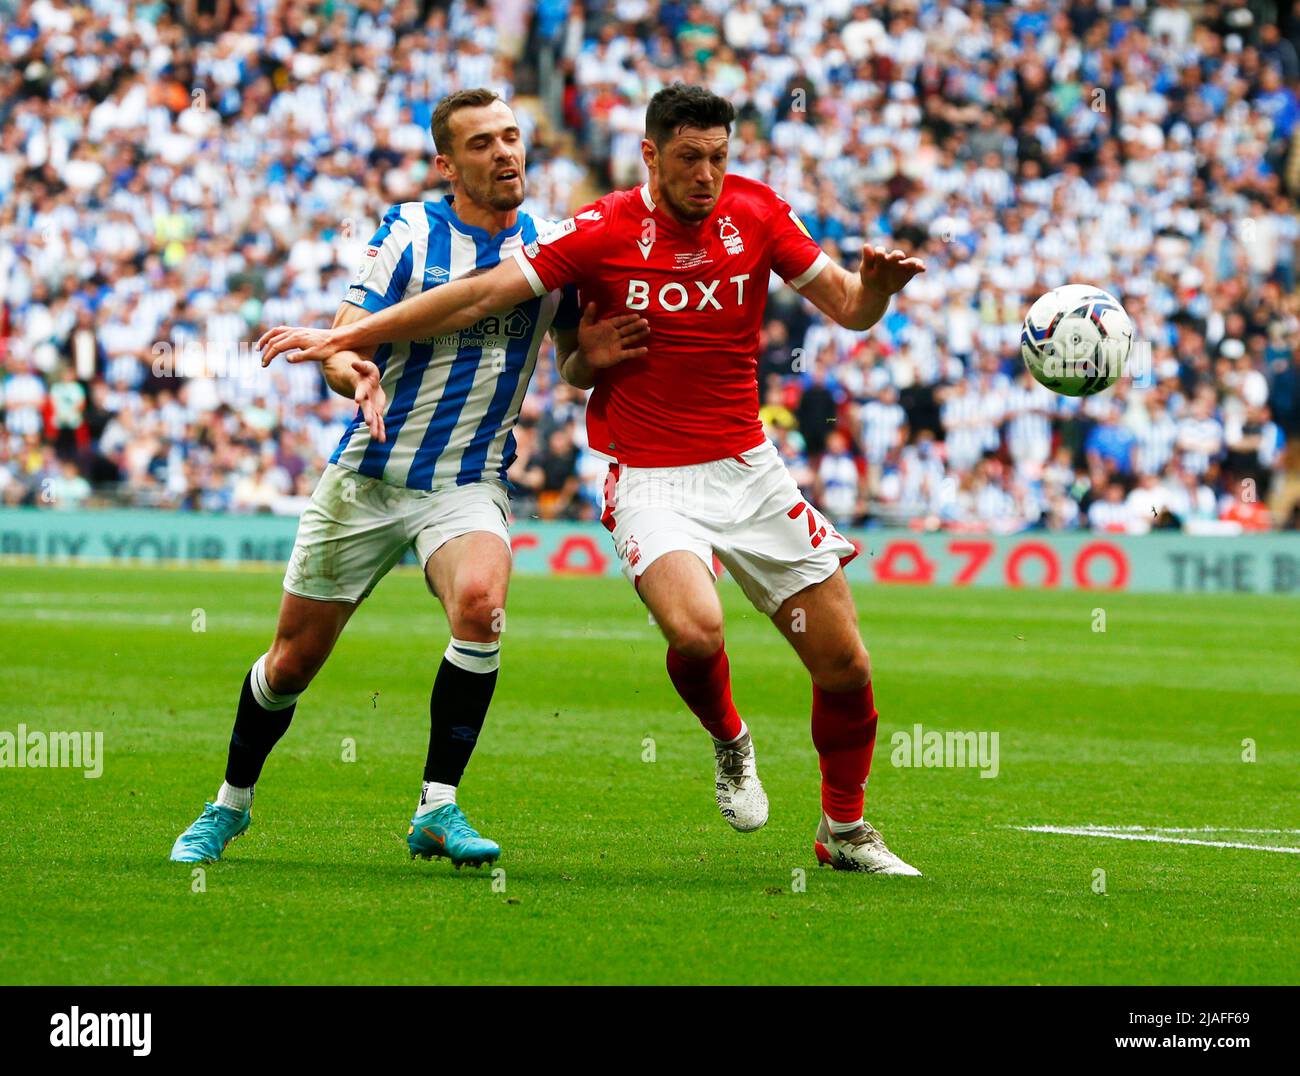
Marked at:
<point>703,288</point>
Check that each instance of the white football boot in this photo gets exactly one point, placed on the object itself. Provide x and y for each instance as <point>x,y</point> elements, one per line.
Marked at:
<point>739,792</point>
<point>862,849</point>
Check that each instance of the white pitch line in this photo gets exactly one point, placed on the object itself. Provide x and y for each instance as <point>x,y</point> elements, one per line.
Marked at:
<point>1179,829</point>
<point>1129,835</point>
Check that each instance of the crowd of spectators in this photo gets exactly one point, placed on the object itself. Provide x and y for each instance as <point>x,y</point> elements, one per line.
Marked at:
<point>174,177</point>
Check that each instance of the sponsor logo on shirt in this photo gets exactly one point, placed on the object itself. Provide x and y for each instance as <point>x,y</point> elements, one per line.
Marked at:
<point>704,294</point>
<point>367,265</point>
<point>513,325</point>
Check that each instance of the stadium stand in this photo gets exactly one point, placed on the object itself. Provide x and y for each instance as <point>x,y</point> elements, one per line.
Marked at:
<point>174,177</point>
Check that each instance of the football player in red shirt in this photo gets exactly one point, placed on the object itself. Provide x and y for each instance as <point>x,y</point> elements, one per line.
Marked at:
<point>682,265</point>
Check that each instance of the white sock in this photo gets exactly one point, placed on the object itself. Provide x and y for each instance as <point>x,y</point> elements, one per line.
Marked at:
<point>473,657</point>
<point>433,796</point>
<point>840,828</point>
<point>262,693</point>
<point>727,743</point>
<point>237,799</point>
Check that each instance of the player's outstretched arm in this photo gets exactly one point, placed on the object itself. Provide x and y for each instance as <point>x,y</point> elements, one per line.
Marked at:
<point>597,345</point>
<point>353,374</point>
<point>444,309</point>
<point>858,300</point>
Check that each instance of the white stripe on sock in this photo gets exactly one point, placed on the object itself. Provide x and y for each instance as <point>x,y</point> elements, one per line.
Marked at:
<point>266,698</point>
<point>473,657</point>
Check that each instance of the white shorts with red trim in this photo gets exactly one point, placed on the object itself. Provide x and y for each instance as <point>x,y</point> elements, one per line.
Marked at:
<point>747,510</point>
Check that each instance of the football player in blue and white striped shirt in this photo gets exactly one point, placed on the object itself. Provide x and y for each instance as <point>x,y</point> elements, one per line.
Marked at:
<point>422,466</point>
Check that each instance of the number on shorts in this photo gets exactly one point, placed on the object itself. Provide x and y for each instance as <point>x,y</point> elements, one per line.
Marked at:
<point>816,532</point>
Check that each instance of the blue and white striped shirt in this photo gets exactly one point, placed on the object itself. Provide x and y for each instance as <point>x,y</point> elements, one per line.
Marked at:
<point>1155,442</point>
<point>1029,425</point>
<point>452,400</point>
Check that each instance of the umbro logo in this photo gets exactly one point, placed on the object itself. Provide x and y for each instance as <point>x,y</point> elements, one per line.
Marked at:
<point>436,273</point>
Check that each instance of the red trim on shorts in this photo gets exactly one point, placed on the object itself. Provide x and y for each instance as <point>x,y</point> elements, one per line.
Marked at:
<point>848,557</point>
<point>611,485</point>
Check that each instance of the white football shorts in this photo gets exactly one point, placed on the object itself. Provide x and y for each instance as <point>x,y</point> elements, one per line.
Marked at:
<point>747,510</point>
<point>357,528</point>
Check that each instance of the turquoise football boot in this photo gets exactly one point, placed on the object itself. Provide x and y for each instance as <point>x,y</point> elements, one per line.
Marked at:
<point>208,836</point>
<point>446,832</point>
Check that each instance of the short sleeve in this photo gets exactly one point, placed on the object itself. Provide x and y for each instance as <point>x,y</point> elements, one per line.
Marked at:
<point>385,268</point>
<point>796,257</point>
<point>563,251</point>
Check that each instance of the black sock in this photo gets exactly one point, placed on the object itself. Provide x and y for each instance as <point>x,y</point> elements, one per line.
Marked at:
<point>257,730</point>
<point>457,709</point>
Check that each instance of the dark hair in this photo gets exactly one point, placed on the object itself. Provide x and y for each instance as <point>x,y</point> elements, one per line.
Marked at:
<point>440,126</point>
<point>680,105</point>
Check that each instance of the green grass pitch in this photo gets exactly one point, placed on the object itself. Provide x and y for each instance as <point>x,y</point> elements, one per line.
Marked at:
<point>619,869</point>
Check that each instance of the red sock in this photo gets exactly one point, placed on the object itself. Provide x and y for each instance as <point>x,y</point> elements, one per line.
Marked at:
<point>844,733</point>
<point>705,686</point>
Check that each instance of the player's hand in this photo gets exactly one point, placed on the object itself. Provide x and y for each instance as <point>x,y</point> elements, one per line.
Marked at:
<point>887,271</point>
<point>297,344</point>
<point>370,397</point>
<point>607,343</point>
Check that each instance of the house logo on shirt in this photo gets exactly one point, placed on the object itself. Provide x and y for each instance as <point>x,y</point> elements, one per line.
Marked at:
<point>730,236</point>
<point>514,325</point>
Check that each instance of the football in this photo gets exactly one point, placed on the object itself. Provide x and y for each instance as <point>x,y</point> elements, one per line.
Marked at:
<point>1076,339</point>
